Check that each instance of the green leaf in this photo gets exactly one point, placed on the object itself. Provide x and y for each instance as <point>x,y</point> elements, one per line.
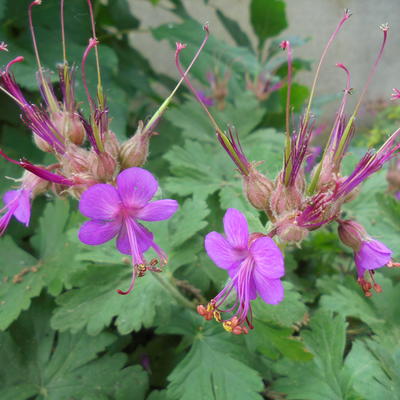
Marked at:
<point>38,363</point>
<point>23,276</point>
<point>121,15</point>
<point>379,312</point>
<point>288,312</point>
<point>190,32</point>
<point>298,95</point>
<point>94,302</point>
<point>208,371</point>
<point>323,377</point>
<point>232,26</point>
<point>268,18</point>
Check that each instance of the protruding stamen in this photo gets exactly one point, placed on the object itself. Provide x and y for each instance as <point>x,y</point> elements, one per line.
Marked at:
<point>346,16</point>
<point>99,86</point>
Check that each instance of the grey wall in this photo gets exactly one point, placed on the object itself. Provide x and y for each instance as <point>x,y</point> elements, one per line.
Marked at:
<point>356,46</point>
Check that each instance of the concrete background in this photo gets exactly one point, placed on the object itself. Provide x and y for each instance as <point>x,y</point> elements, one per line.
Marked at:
<point>356,46</point>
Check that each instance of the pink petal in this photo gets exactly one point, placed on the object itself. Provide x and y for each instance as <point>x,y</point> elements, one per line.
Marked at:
<point>373,254</point>
<point>221,252</point>
<point>136,186</point>
<point>236,229</point>
<point>23,211</point>
<point>143,236</point>
<point>97,232</point>
<point>100,202</point>
<point>268,258</point>
<point>157,210</point>
<point>270,290</point>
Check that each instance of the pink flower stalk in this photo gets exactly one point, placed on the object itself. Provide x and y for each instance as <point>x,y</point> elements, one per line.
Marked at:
<point>116,212</point>
<point>254,264</point>
<point>369,253</point>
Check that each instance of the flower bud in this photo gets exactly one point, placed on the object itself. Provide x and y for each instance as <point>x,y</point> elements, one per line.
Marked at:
<point>290,232</point>
<point>111,144</point>
<point>102,166</point>
<point>352,234</point>
<point>258,189</point>
<point>69,126</point>
<point>287,198</point>
<point>134,152</point>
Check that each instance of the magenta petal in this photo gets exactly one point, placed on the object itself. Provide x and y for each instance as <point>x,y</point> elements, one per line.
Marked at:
<point>373,254</point>
<point>136,186</point>
<point>236,228</point>
<point>221,252</point>
<point>157,210</point>
<point>143,236</point>
<point>270,290</point>
<point>23,197</point>
<point>100,202</point>
<point>268,258</point>
<point>97,232</point>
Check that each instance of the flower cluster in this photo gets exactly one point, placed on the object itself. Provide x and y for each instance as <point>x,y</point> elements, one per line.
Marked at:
<point>89,160</point>
<point>305,196</point>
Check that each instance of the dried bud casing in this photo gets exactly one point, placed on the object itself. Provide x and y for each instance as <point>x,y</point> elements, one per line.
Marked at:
<point>258,189</point>
<point>69,126</point>
<point>102,166</point>
<point>134,152</point>
<point>352,234</point>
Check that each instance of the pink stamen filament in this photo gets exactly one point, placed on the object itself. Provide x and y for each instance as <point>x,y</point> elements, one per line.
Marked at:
<point>137,257</point>
<point>99,89</point>
<point>346,16</point>
<point>220,133</point>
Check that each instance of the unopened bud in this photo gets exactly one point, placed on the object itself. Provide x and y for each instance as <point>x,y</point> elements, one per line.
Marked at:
<point>69,126</point>
<point>258,189</point>
<point>102,166</point>
<point>286,199</point>
<point>111,144</point>
<point>352,234</point>
<point>134,152</point>
<point>289,232</point>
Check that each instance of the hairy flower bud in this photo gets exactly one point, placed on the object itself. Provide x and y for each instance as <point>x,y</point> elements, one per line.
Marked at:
<point>288,231</point>
<point>352,233</point>
<point>287,198</point>
<point>102,166</point>
<point>69,126</point>
<point>111,144</point>
<point>258,189</point>
<point>134,152</point>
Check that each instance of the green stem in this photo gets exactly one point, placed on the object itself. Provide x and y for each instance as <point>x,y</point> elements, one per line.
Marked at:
<point>180,298</point>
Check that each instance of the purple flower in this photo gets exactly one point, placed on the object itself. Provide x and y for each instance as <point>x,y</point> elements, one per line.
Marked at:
<point>255,266</point>
<point>115,211</point>
<point>18,205</point>
<point>371,255</point>
<point>397,195</point>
